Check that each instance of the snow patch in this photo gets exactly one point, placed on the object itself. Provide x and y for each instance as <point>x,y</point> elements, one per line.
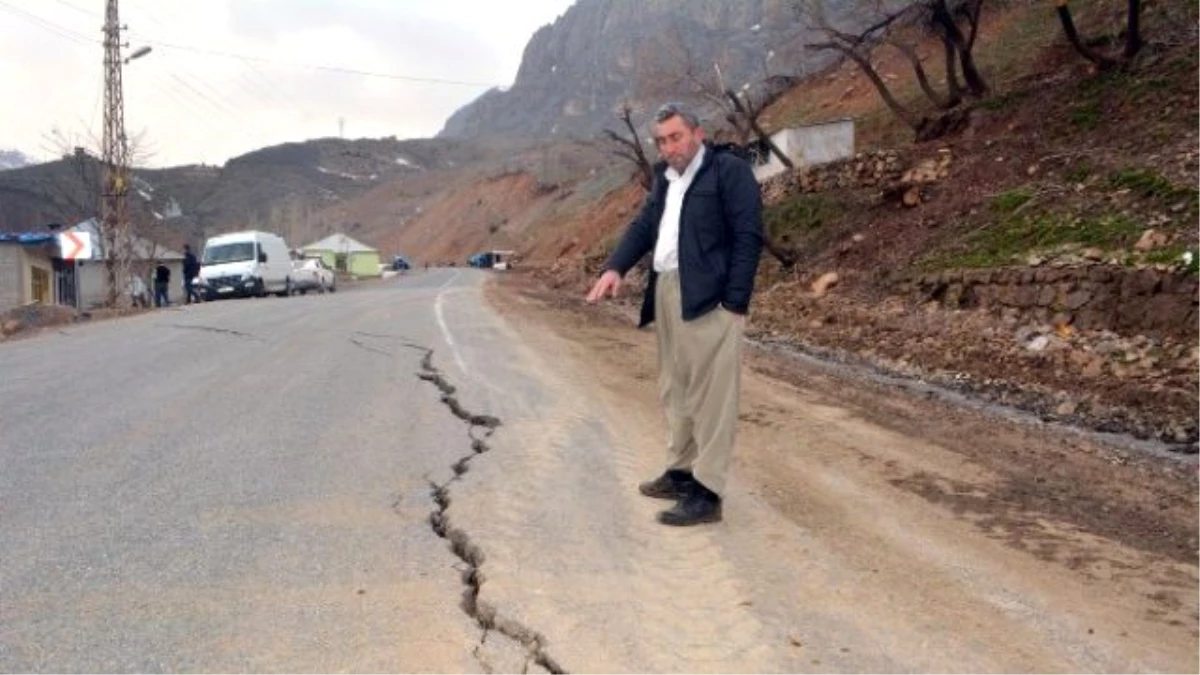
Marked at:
<point>157,215</point>
<point>339,174</point>
<point>173,209</point>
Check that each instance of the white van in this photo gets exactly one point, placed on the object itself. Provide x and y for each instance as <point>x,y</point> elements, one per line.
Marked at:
<point>245,263</point>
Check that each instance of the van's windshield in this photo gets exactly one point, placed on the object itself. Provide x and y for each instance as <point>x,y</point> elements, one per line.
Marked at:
<point>227,253</point>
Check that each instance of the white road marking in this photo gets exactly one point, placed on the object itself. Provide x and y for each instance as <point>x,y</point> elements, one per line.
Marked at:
<point>441,319</point>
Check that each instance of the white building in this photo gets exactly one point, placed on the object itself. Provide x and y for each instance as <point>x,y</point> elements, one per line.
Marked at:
<point>808,145</point>
<point>94,277</point>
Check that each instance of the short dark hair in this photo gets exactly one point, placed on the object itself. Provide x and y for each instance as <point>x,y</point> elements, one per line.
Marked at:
<point>668,110</point>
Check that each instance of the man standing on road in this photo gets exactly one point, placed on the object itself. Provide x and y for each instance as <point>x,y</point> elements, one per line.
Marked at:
<point>162,285</point>
<point>703,221</point>
<point>191,270</point>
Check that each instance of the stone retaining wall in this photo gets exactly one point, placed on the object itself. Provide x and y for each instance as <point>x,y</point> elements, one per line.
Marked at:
<point>1122,300</point>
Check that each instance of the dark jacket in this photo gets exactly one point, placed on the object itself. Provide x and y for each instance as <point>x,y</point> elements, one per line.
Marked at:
<point>191,266</point>
<point>720,236</point>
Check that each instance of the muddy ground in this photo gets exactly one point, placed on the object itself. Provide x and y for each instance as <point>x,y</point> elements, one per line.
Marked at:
<point>1109,486</point>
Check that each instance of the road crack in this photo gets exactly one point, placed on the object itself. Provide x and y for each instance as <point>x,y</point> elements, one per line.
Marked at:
<point>479,429</point>
<point>210,329</point>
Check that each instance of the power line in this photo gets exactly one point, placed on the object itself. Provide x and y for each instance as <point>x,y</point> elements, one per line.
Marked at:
<point>66,32</point>
<point>310,66</point>
<point>48,25</point>
<point>77,8</point>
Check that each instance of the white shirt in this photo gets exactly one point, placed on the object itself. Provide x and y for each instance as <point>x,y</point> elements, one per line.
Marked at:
<point>666,250</point>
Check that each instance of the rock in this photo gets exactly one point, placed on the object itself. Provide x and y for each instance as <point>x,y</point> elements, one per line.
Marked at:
<point>1066,408</point>
<point>823,283</point>
<point>1038,343</point>
<point>912,197</point>
<point>1151,239</point>
<point>858,238</point>
<point>1178,433</point>
<point>1093,369</point>
<point>1092,254</point>
<point>11,326</point>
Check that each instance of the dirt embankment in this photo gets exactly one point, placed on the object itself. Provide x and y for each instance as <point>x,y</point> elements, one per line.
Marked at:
<point>1058,229</point>
<point>1055,500</point>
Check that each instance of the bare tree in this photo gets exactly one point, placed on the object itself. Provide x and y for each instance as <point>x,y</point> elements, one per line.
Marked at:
<point>78,195</point>
<point>742,112</point>
<point>1133,36</point>
<point>958,46</point>
<point>628,145</point>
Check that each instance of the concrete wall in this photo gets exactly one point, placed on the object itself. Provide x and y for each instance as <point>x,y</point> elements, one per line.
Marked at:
<point>809,146</point>
<point>12,276</point>
<point>16,276</point>
<point>95,280</point>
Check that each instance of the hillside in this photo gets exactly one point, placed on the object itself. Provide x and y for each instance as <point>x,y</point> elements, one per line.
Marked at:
<point>576,72</point>
<point>13,159</point>
<point>285,188</point>
<point>1041,265</point>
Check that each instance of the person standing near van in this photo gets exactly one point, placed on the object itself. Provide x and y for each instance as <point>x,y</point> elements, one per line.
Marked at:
<point>162,285</point>
<point>191,270</point>
<point>703,223</point>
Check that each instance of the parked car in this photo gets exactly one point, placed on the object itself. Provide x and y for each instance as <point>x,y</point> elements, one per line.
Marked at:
<point>245,263</point>
<point>399,264</point>
<point>312,274</point>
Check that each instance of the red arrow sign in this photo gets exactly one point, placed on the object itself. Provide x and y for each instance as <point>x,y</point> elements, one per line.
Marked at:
<point>75,245</point>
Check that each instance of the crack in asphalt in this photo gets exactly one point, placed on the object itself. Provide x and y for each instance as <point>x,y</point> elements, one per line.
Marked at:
<point>461,544</point>
<point>210,329</point>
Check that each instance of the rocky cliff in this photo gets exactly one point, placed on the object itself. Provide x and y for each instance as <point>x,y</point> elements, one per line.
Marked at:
<point>576,72</point>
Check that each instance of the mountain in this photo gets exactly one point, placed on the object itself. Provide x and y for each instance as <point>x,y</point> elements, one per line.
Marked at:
<point>13,159</point>
<point>283,188</point>
<point>576,72</point>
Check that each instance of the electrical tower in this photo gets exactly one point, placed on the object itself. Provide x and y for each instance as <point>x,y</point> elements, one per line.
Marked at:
<point>114,150</point>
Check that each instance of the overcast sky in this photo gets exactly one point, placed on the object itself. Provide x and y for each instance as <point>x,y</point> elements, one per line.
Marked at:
<point>229,76</point>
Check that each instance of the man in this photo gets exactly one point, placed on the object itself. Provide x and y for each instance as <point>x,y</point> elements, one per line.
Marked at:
<point>191,270</point>
<point>162,285</point>
<point>138,294</point>
<point>703,221</point>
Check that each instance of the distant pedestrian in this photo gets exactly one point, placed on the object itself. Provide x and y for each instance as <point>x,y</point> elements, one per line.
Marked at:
<point>191,270</point>
<point>139,295</point>
<point>703,223</point>
<point>162,285</point>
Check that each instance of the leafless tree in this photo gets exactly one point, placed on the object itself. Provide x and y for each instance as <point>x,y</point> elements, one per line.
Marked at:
<point>78,194</point>
<point>941,17</point>
<point>1133,36</point>
<point>628,145</point>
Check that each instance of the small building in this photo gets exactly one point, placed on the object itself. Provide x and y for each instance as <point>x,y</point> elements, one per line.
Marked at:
<point>27,269</point>
<point>345,255</point>
<point>808,145</point>
<point>144,256</point>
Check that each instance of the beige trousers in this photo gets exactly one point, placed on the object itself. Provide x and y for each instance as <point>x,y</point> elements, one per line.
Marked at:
<point>699,375</point>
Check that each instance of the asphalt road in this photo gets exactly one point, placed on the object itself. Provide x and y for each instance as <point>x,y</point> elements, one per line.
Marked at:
<point>235,486</point>
<point>425,474</point>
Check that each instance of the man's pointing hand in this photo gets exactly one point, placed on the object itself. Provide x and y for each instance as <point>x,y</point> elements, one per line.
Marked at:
<point>608,285</point>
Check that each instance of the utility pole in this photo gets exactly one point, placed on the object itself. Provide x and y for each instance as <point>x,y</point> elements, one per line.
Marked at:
<point>341,127</point>
<point>114,218</point>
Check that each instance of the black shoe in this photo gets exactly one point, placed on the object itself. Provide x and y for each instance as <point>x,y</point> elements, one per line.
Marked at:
<point>674,484</point>
<point>700,506</point>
